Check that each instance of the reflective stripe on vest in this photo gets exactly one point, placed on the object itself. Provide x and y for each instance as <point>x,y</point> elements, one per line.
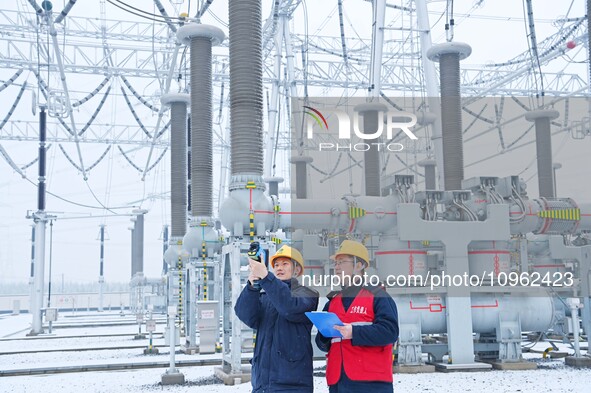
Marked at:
<point>361,363</point>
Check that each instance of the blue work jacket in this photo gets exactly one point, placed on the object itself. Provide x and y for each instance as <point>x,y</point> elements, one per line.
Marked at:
<point>282,360</point>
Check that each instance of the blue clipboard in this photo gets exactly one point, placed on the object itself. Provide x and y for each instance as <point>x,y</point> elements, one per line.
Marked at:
<point>325,321</point>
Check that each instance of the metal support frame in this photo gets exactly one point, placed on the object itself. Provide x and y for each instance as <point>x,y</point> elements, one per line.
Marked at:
<point>32,273</point>
<point>431,85</point>
<point>328,73</point>
<point>101,262</point>
<point>233,281</point>
<point>508,333</point>
<point>164,248</point>
<point>225,169</point>
<point>232,339</point>
<point>172,374</point>
<point>291,82</point>
<point>68,102</point>
<point>377,48</point>
<point>40,219</point>
<point>274,101</point>
<point>410,343</point>
<point>455,236</point>
<point>128,39</point>
<point>583,255</point>
<point>523,255</point>
<point>191,306</point>
<point>162,108</point>
<point>194,293</point>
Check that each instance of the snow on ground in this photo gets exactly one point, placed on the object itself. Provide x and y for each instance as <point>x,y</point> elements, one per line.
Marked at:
<point>14,324</point>
<point>555,379</point>
<point>73,342</point>
<point>551,376</point>
<point>38,360</point>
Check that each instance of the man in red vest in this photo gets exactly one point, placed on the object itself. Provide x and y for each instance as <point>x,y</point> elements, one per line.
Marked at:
<point>360,361</point>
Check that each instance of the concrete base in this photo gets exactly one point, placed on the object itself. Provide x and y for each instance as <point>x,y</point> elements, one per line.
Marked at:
<point>524,365</point>
<point>190,350</point>
<point>152,351</point>
<point>465,367</point>
<point>232,378</point>
<point>415,369</point>
<point>583,361</point>
<point>173,379</point>
<point>139,337</point>
<point>44,333</point>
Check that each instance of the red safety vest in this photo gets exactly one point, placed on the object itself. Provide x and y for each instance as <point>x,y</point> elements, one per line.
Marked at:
<point>361,363</point>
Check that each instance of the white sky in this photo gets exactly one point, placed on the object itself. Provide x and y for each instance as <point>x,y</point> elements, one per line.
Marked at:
<point>115,183</point>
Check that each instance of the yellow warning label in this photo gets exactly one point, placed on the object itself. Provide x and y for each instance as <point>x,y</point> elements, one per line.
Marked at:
<point>562,214</point>
<point>356,212</point>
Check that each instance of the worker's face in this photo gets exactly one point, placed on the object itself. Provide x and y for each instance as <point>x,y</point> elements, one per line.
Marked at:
<point>283,268</point>
<point>345,265</point>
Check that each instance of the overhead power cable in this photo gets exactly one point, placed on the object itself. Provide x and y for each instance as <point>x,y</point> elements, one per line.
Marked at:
<point>91,94</point>
<point>96,112</point>
<point>137,95</point>
<point>153,19</point>
<point>65,11</point>
<point>135,115</point>
<point>13,107</point>
<point>11,80</point>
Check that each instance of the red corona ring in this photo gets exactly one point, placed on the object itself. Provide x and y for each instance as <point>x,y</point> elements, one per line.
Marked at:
<point>571,44</point>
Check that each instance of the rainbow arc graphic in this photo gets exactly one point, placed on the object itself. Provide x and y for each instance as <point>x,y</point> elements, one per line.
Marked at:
<point>317,116</point>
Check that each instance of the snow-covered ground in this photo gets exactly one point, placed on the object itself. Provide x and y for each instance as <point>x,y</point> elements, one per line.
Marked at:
<point>555,379</point>
<point>551,376</point>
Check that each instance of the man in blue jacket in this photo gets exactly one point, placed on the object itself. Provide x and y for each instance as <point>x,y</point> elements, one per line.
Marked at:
<point>282,360</point>
<point>360,360</point>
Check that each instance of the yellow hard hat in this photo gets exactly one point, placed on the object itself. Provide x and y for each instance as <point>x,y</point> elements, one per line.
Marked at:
<point>291,253</point>
<point>354,248</point>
